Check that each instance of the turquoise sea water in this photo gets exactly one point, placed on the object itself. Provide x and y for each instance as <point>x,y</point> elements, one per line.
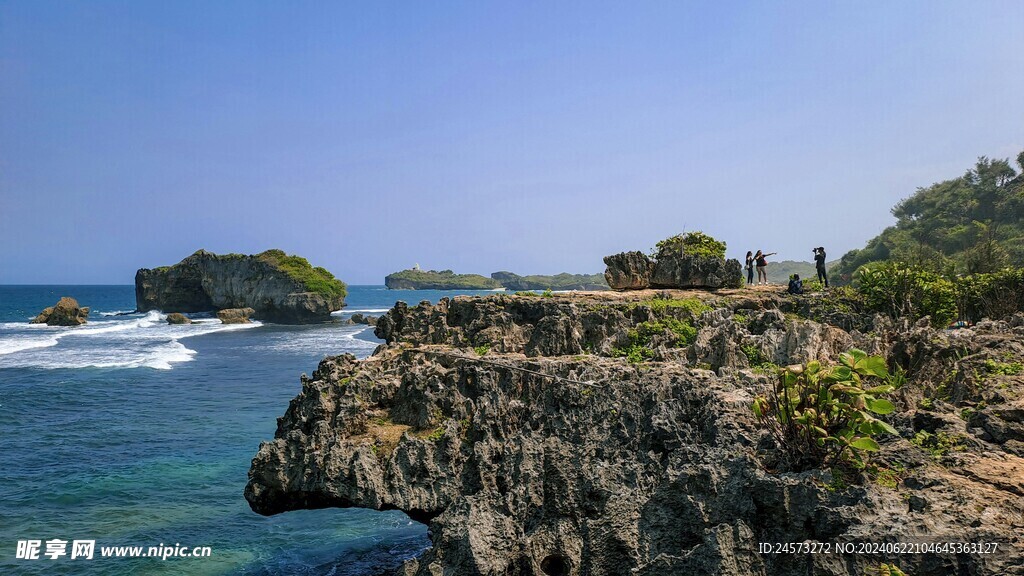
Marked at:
<point>132,432</point>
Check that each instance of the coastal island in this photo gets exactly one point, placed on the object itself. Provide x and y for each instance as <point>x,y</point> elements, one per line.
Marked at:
<point>416,279</point>
<point>563,281</point>
<point>277,287</point>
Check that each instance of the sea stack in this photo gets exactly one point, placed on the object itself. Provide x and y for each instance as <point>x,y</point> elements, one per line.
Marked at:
<point>278,287</point>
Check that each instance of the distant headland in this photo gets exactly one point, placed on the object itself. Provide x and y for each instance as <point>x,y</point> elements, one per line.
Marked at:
<point>416,279</point>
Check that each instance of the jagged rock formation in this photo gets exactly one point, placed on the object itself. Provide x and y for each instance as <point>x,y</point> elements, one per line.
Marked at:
<point>178,318</point>
<point>65,313</point>
<point>515,429</point>
<point>364,319</point>
<point>235,315</point>
<point>279,288</point>
<point>635,270</point>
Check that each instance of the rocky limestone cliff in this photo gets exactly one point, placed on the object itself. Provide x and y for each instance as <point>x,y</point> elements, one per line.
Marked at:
<point>635,270</point>
<point>65,312</point>
<point>279,288</point>
<point>516,429</point>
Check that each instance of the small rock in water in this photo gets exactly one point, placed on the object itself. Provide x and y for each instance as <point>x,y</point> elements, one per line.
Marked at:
<point>178,318</point>
<point>65,313</point>
<point>235,315</point>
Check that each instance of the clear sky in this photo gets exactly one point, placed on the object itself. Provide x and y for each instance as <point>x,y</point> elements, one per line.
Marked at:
<point>535,137</point>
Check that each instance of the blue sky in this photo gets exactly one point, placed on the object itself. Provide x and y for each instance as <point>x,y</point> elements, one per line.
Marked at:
<point>527,136</point>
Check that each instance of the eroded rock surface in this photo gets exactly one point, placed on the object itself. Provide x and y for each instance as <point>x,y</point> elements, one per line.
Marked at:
<point>635,271</point>
<point>515,429</point>
<point>66,312</point>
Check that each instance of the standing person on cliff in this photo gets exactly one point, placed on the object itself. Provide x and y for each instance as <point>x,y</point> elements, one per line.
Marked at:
<point>761,259</point>
<point>750,267</point>
<point>819,263</point>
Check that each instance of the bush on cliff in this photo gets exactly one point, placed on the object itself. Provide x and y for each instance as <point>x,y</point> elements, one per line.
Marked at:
<point>996,295</point>
<point>901,290</point>
<point>692,244</point>
<point>822,416</point>
<point>316,279</point>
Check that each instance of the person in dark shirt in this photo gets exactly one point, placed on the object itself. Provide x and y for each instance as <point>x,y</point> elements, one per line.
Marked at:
<point>819,263</point>
<point>761,260</point>
<point>750,267</point>
<point>796,285</point>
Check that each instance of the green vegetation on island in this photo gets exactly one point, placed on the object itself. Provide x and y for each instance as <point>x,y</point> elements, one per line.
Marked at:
<point>415,279</point>
<point>694,243</point>
<point>316,279</point>
<point>967,225</point>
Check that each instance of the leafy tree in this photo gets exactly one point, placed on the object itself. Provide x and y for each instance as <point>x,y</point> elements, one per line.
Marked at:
<point>974,223</point>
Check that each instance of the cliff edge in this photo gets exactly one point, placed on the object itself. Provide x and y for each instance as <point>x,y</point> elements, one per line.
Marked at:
<point>279,288</point>
<point>611,433</point>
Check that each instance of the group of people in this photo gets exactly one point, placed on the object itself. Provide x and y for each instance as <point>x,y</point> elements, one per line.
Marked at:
<point>759,262</point>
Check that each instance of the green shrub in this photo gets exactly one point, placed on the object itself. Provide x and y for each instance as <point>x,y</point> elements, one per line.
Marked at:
<point>822,416</point>
<point>692,244</point>
<point>900,290</point>
<point>996,295</point>
<point>634,353</point>
<point>483,349</point>
<point>890,570</point>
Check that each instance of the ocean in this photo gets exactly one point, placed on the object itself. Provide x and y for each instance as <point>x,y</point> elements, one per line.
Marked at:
<point>130,432</point>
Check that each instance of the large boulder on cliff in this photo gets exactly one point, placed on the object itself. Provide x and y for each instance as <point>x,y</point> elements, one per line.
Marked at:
<point>692,260</point>
<point>278,287</point>
<point>686,271</point>
<point>65,313</point>
<point>628,271</point>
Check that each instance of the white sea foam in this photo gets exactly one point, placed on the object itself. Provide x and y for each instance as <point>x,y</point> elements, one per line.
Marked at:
<point>326,340</point>
<point>359,311</point>
<point>146,341</point>
<point>116,313</point>
<point>10,345</point>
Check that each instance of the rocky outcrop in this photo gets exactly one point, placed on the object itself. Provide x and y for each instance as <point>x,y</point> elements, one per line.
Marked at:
<point>235,315</point>
<point>628,271</point>
<point>178,318</point>
<point>364,319</point>
<point>279,288</point>
<point>516,430</point>
<point>635,270</point>
<point>65,313</point>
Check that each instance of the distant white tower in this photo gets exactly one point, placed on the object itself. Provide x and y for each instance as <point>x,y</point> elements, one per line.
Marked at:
<point>416,266</point>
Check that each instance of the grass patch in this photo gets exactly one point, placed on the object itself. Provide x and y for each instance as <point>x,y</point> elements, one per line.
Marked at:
<point>695,306</point>
<point>482,350</point>
<point>938,444</point>
<point>996,368</point>
<point>759,363</point>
